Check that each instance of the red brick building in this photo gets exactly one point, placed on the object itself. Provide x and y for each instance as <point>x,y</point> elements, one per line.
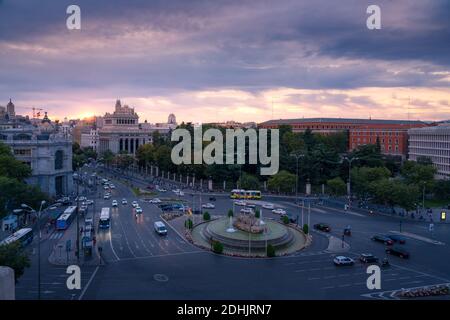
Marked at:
<point>392,134</point>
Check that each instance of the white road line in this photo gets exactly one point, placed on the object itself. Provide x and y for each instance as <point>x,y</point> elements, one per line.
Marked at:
<point>112,248</point>
<point>88,284</point>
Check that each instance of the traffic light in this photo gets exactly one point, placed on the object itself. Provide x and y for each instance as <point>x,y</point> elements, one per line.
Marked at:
<point>443,215</point>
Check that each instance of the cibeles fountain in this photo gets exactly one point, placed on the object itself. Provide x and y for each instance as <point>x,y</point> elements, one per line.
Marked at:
<point>247,234</point>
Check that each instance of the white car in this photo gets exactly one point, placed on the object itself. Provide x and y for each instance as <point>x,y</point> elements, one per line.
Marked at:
<point>112,186</point>
<point>279,211</point>
<point>176,191</point>
<point>135,204</point>
<point>155,200</point>
<point>269,206</point>
<point>240,203</point>
<point>250,205</point>
<point>138,210</point>
<point>343,261</point>
<point>114,203</point>
<point>106,187</point>
<point>181,193</point>
<point>124,201</point>
<point>208,206</point>
<point>106,196</point>
<point>89,202</point>
<point>246,210</point>
<point>162,190</point>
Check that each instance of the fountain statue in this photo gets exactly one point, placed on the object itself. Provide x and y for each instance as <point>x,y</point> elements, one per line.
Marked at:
<point>248,223</point>
<point>230,228</point>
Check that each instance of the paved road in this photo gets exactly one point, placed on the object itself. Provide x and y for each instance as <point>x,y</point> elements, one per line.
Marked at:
<point>141,265</point>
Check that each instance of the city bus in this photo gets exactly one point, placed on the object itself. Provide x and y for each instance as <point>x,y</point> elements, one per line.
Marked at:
<point>63,222</point>
<point>237,194</point>
<point>24,236</point>
<point>253,194</point>
<point>104,219</point>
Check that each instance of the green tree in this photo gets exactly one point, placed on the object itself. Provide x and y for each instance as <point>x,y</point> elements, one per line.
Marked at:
<point>13,256</point>
<point>230,213</point>
<point>249,182</point>
<point>123,161</point>
<point>257,213</point>
<point>285,219</point>
<point>206,216</point>
<point>363,177</point>
<point>270,251</point>
<point>337,186</point>
<point>305,229</point>
<point>217,247</point>
<point>10,167</point>
<point>283,181</point>
<point>107,157</point>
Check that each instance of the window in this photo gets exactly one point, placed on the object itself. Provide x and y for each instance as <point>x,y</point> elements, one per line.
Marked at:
<point>59,160</point>
<point>22,152</point>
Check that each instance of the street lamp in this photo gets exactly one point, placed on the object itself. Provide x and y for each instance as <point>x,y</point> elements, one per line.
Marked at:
<point>39,242</point>
<point>297,157</point>
<point>349,160</point>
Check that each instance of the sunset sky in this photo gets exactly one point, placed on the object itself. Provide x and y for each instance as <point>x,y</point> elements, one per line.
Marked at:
<point>211,60</point>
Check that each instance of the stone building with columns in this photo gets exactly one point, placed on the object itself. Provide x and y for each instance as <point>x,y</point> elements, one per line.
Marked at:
<point>121,131</point>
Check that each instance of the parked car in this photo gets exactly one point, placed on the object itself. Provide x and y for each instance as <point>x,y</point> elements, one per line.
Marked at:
<point>398,251</point>
<point>343,261</point>
<point>397,238</point>
<point>269,206</point>
<point>380,238</point>
<point>114,203</point>
<point>368,258</point>
<point>279,211</point>
<point>155,200</point>
<point>322,227</point>
<point>208,206</point>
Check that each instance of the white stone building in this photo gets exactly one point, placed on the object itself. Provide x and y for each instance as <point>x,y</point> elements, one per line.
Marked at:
<point>432,143</point>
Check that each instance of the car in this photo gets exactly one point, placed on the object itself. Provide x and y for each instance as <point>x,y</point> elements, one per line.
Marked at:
<point>181,193</point>
<point>88,221</point>
<point>397,238</point>
<point>247,210</point>
<point>135,204</point>
<point>212,199</point>
<point>182,208</point>
<point>106,187</point>
<point>208,206</point>
<point>176,191</point>
<point>160,228</point>
<point>291,218</point>
<point>150,187</point>
<point>52,208</point>
<point>106,196</point>
<point>240,203</point>
<point>398,251</point>
<point>155,200</point>
<point>112,186</point>
<point>322,227</point>
<point>380,238</point>
<point>89,202</point>
<point>269,206</point>
<point>250,205</point>
<point>124,201</point>
<point>138,210</point>
<point>279,211</point>
<point>368,258</point>
<point>343,261</point>
<point>114,203</point>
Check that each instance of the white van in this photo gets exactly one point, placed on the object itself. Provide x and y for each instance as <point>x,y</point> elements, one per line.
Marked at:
<point>160,228</point>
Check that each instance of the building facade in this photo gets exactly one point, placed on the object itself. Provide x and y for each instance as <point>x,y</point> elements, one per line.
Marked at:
<point>392,135</point>
<point>90,139</point>
<point>47,152</point>
<point>121,131</point>
<point>432,143</point>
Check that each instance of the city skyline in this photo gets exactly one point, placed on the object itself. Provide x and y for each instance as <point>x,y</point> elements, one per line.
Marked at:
<point>216,61</point>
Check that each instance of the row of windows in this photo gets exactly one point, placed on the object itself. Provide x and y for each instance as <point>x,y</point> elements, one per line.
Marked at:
<point>365,140</point>
<point>383,147</point>
<point>375,133</point>
<point>125,121</point>
<point>22,152</point>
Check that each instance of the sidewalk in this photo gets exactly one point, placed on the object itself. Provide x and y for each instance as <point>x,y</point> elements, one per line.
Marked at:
<point>61,256</point>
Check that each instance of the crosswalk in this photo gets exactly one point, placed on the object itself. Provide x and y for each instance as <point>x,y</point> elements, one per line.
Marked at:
<point>56,235</point>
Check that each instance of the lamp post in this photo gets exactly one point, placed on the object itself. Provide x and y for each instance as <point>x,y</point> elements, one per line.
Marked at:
<point>297,157</point>
<point>39,242</point>
<point>349,160</point>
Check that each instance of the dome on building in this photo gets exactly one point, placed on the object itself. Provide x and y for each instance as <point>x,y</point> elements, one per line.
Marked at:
<point>172,119</point>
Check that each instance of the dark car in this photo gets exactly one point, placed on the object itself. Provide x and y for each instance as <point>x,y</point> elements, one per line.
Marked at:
<point>398,251</point>
<point>397,238</point>
<point>292,219</point>
<point>322,227</point>
<point>212,198</point>
<point>382,239</point>
<point>368,258</point>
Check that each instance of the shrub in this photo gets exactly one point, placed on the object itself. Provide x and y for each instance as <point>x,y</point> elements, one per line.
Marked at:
<point>230,213</point>
<point>305,228</point>
<point>188,224</point>
<point>270,251</point>
<point>257,213</point>
<point>285,219</point>
<point>217,247</point>
<point>206,216</point>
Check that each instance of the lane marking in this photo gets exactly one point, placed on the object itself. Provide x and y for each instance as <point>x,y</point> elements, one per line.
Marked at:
<point>89,283</point>
<point>112,248</point>
<point>418,237</point>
